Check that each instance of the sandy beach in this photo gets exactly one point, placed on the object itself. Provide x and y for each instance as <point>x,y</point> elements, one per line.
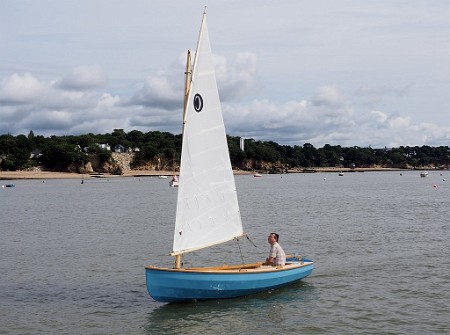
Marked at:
<point>12,175</point>
<point>15,175</point>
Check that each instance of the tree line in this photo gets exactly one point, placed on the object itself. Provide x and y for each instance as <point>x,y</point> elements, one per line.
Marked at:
<point>162,150</point>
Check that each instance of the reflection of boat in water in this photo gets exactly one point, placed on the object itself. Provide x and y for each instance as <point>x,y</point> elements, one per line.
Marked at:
<point>179,318</point>
<point>207,205</point>
<point>424,174</point>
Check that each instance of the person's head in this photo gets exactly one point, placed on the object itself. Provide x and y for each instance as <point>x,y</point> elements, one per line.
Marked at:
<point>273,237</point>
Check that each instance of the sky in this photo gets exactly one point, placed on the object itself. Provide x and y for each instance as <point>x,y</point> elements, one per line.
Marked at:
<point>338,72</point>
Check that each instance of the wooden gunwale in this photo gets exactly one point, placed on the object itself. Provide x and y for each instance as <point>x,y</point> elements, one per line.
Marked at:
<point>243,268</point>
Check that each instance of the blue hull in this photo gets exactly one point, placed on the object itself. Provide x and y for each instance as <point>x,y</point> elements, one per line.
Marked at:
<point>170,285</point>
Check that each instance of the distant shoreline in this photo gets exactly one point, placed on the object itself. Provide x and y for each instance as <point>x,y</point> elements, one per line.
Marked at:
<point>15,175</point>
<point>11,175</point>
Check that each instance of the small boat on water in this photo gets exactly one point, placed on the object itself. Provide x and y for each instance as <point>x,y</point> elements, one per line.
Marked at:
<point>257,175</point>
<point>207,206</point>
<point>174,182</point>
<point>162,177</point>
<point>424,174</point>
<point>341,173</point>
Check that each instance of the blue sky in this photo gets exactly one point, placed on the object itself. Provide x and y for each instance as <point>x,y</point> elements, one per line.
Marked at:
<point>350,73</point>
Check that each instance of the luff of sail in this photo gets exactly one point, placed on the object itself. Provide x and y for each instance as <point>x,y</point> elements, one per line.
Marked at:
<point>207,205</point>
<point>187,85</point>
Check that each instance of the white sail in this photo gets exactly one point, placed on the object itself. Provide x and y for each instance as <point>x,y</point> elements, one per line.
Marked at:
<point>207,206</point>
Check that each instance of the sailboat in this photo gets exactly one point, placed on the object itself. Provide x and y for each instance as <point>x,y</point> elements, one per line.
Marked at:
<point>174,181</point>
<point>207,206</point>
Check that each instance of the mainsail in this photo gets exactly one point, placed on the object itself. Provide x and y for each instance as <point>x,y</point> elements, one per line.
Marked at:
<point>207,205</point>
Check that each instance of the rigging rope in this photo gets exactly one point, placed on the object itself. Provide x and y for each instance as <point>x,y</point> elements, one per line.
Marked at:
<point>240,251</point>
<point>239,246</point>
<point>248,238</point>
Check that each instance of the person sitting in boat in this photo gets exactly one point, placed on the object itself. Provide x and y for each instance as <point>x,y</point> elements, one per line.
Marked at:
<point>277,257</point>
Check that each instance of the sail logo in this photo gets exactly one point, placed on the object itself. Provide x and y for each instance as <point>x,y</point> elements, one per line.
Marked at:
<point>198,103</point>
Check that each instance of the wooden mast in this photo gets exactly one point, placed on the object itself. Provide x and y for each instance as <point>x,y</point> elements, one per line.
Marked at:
<point>187,88</point>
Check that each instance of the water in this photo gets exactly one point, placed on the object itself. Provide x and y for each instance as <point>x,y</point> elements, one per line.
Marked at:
<point>73,256</point>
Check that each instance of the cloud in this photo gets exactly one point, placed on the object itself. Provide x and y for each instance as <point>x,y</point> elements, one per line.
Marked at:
<point>27,103</point>
<point>399,122</point>
<point>235,79</point>
<point>328,96</point>
<point>335,120</point>
<point>379,117</point>
<point>83,78</point>
<point>165,89</point>
<point>293,122</point>
<point>432,133</point>
<point>18,89</point>
<point>159,91</point>
<point>328,117</point>
<point>384,90</point>
<point>48,120</point>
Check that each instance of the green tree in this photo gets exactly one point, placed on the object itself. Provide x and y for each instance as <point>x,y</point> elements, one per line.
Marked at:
<point>15,151</point>
<point>59,155</point>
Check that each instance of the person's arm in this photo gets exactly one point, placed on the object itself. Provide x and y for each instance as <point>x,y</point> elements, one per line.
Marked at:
<point>270,261</point>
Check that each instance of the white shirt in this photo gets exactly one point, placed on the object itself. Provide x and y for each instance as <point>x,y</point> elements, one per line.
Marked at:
<point>277,252</point>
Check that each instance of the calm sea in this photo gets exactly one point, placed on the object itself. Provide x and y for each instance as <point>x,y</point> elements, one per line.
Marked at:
<point>72,256</point>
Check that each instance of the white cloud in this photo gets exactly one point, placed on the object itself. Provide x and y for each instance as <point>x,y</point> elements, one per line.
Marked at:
<point>379,116</point>
<point>107,101</point>
<point>159,91</point>
<point>20,89</point>
<point>399,122</point>
<point>26,103</point>
<point>84,78</point>
<point>235,79</point>
<point>328,117</point>
<point>328,96</point>
<point>48,120</point>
